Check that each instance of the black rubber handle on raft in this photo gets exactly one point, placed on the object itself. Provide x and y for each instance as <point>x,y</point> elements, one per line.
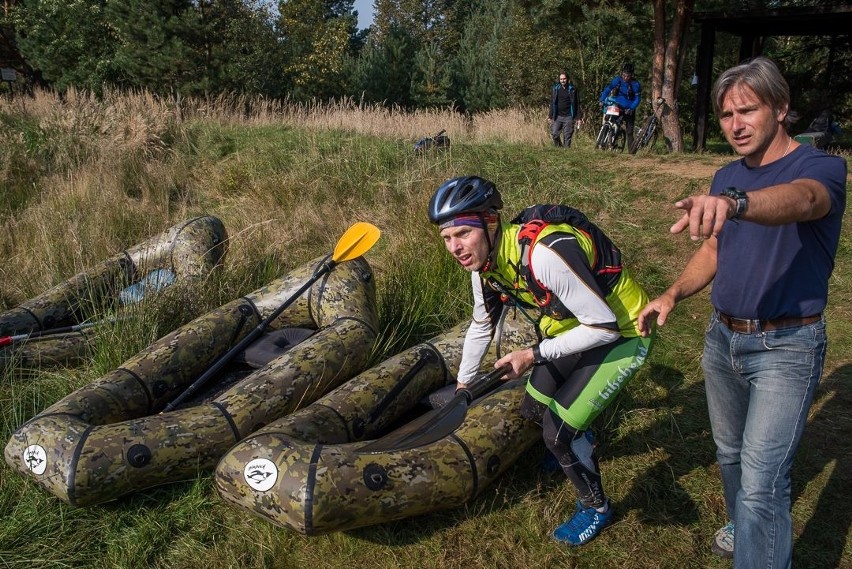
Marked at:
<point>483,385</point>
<point>250,337</point>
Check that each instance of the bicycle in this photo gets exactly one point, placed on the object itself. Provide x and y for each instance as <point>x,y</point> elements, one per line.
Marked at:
<point>647,136</point>
<point>612,135</point>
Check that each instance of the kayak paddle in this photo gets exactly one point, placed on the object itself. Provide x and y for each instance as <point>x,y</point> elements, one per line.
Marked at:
<point>357,240</point>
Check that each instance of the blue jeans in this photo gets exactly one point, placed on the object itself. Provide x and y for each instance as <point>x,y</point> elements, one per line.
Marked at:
<point>759,389</point>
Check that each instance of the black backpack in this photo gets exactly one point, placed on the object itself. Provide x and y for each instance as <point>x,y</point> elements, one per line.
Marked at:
<point>440,140</point>
<point>606,266</point>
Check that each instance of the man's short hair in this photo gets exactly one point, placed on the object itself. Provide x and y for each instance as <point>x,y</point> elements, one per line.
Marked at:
<point>763,77</point>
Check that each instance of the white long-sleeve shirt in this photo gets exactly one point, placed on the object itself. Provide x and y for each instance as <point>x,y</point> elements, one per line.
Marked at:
<point>597,322</point>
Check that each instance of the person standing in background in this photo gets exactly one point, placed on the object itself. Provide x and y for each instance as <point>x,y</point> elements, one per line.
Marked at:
<point>564,104</point>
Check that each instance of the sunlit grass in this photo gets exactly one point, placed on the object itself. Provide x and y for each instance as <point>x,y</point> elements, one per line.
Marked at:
<point>84,178</point>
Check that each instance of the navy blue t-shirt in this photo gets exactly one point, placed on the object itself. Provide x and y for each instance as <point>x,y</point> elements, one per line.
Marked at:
<point>778,271</point>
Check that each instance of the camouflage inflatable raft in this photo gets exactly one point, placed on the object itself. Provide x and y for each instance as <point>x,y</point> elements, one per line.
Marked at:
<point>186,251</point>
<point>110,438</point>
<point>317,470</point>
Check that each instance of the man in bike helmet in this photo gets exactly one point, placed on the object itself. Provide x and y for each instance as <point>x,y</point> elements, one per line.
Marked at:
<point>585,306</point>
<point>627,96</point>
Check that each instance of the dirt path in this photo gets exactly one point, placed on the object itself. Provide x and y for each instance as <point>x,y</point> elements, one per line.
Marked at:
<point>691,169</point>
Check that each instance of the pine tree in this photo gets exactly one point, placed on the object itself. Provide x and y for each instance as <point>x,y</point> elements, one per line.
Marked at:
<point>384,71</point>
<point>430,79</point>
<point>476,76</point>
<point>158,45</point>
<point>68,41</point>
<point>241,47</point>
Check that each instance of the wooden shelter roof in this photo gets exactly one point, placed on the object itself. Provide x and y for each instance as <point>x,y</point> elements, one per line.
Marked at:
<point>823,20</point>
<point>795,21</point>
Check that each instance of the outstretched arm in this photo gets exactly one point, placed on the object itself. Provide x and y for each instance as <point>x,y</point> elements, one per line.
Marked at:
<point>800,200</point>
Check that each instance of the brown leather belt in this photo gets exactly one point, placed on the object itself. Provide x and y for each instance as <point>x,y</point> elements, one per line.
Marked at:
<point>746,326</point>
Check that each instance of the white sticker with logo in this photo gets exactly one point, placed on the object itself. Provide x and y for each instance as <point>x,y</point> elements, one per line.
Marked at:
<point>35,457</point>
<point>261,474</point>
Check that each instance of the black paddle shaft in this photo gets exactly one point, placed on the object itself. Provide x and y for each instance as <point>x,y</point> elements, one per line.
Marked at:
<point>249,338</point>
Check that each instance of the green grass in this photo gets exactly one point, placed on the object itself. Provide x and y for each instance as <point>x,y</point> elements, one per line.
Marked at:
<point>285,193</point>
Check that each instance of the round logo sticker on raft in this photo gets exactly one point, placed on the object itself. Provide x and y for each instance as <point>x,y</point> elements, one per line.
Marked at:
<point>35,458</point>
<point>260,474</point>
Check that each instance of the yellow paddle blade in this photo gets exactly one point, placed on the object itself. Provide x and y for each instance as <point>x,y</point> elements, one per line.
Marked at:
<point>357,240</point>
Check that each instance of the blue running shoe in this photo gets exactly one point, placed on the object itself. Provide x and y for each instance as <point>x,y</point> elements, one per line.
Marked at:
<point>584,525</point>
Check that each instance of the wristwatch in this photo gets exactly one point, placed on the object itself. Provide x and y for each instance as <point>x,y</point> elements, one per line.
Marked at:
<point>740,197</point>
<point>537,357</point>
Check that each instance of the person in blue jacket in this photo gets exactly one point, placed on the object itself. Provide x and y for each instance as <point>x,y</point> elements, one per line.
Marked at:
<point>627,95</point>
<point>564,104</point>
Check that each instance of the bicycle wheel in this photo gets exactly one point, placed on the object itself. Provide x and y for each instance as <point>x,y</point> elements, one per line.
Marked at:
<point>647,135</point>
<point>619,138</point>
<point>603,136</point>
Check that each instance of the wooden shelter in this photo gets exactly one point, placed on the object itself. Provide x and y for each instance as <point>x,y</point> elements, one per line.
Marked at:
<point>752,28</point>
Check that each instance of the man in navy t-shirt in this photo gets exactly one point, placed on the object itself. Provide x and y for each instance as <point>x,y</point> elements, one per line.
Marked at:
<point>770,228</point>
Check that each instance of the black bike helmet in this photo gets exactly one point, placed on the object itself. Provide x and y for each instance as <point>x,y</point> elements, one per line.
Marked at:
<point>627,68</point>
<point>465,194</point>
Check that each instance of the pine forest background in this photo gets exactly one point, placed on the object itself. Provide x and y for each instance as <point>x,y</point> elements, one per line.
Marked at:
<point>471,56</point>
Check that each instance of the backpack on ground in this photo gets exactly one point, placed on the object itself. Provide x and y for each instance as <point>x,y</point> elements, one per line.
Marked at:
<point>440,140</point>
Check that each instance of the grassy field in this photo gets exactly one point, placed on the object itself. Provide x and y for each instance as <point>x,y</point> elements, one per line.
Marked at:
<point>81,179</point>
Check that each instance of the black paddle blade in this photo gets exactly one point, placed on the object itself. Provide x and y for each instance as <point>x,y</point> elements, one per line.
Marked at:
<point>425,429</point>
<point>434,425</point>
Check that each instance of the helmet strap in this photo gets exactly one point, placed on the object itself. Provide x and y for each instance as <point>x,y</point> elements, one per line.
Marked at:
<point>492,246</point>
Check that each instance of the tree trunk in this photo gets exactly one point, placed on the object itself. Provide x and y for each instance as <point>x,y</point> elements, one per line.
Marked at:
<point>668,59</point>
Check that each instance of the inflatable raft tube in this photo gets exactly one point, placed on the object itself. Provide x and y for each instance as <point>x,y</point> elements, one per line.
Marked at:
<point>187,251</point>
<point>109,438</point>
<point>313,471</point>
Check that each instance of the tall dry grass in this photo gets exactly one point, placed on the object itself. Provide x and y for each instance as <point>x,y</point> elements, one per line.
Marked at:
<point>127,158</point>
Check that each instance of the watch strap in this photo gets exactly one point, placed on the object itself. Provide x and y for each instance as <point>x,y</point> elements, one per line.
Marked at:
<point>537,357</point>
<point>740,198</point>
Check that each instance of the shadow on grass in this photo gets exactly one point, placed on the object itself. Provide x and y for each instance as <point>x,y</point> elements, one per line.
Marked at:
<point>825,452</point>
<point>681,434</point>
<point>822,471</point>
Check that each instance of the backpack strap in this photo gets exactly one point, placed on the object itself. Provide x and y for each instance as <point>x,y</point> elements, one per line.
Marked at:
<point>606,262</point>
<point>544,298</point>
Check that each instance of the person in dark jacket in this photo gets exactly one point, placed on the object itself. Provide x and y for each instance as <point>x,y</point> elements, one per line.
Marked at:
<point>564,104</point>
<point>627,96</point>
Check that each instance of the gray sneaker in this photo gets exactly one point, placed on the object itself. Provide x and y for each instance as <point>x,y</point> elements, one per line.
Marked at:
<point>723,542</point>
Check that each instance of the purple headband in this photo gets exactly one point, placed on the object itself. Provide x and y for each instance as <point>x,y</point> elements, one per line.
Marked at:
<point>471,219</point>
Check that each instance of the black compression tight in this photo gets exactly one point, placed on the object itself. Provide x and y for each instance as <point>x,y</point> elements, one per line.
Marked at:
<point>574,451</point>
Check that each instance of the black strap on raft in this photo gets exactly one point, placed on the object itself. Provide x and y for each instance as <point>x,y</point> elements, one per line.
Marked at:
<point>606,265</point>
